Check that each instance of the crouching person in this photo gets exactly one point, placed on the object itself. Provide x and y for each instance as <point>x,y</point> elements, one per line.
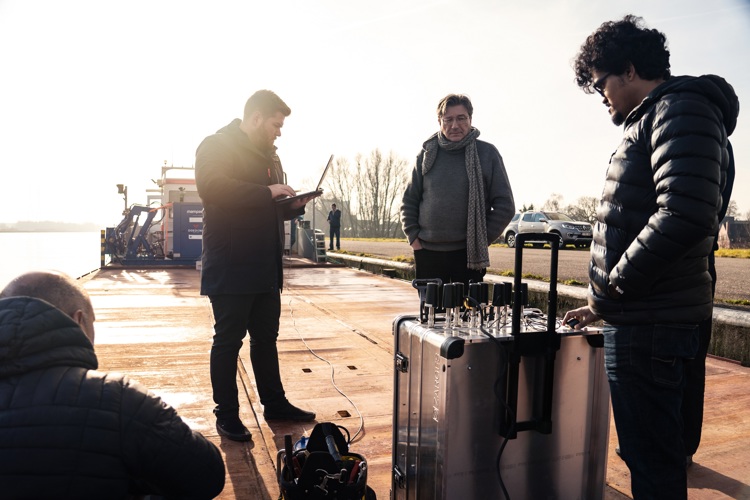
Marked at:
<point>69,431</point>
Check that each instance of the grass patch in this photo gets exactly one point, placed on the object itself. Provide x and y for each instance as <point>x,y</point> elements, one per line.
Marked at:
<point>509,274</point>
<point>734,253</point>
<point>546,245</point>
<point>388,240</point>
<point>404,258</point>
<point>735,302</point>
<point>536,277</point>
<point>574,283</point>
<point>355,254</point>
<point>398,258</point>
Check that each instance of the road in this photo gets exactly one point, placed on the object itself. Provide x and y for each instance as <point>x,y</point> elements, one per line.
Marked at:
<point>732,284</point>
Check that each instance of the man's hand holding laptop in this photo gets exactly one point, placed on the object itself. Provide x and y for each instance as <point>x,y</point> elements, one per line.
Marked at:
<point>282,191</point>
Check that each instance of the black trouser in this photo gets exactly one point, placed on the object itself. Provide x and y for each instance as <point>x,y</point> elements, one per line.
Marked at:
<point>450,267</point>
<point>236,315</point>
<point>335,231</point>
<point>695,386</point>
<point>695,380</point>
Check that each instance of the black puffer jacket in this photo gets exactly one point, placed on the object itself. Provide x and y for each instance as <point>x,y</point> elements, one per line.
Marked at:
<point>658,213</point>
<point>243,228</point>
<point>68,431</point>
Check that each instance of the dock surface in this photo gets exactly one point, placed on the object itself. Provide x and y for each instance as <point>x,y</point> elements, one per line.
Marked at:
<point>336,356</point>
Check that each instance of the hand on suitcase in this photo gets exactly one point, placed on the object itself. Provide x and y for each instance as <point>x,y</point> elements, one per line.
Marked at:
<point>579,318</point>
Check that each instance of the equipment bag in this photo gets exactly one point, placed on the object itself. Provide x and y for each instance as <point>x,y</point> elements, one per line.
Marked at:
<point>324,469</point>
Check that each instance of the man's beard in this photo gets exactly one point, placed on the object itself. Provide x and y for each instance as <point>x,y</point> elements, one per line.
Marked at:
<point>618,118</point>
<point>261,142</point>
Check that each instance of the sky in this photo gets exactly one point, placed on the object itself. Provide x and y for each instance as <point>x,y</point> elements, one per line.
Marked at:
<point>99,93</point>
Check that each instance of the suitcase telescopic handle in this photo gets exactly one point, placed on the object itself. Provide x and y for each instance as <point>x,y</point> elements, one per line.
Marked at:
<point>554,243</point>
<point>541,344</point>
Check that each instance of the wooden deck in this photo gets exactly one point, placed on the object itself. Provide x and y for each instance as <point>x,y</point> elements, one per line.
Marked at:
<point>336,350</point>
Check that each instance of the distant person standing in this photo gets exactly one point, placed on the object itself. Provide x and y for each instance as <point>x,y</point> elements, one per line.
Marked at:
<point>459,198</point>
<point>239,178</point>
<point>334,222</point>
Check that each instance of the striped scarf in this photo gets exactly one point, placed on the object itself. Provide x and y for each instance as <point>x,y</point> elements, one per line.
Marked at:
<point>477,256</point>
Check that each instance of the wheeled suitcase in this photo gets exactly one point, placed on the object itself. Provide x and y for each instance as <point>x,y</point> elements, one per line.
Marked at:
<point>512,410</point>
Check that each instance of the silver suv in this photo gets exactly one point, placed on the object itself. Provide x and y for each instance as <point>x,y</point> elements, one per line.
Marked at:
<point>510,231</point>
<point>570,232</point>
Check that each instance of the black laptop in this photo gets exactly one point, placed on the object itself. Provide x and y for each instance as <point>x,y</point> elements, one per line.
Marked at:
<point>317,192</point>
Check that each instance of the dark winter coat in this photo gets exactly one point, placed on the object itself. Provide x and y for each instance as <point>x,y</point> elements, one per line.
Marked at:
<point>658,214</point>
<point>68,431</point>
<point>334,218</point>
<point>243,228</point>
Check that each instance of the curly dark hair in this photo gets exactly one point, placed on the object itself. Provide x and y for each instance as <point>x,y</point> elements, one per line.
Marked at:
<point>618,43</point>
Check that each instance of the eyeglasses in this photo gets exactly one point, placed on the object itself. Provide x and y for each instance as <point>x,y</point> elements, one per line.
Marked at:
<point>599,84</point>
<point>460,119</point>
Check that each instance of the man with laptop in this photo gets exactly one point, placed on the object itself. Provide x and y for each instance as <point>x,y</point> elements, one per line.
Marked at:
<point>240,181</point>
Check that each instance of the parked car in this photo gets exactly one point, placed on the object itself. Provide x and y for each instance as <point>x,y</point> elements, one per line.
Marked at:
<point>570,232</point>
<point>509,233</point>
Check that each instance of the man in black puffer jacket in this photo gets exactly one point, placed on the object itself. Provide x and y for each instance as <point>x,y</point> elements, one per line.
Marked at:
<point>69,431</point>
<point>656,225</point>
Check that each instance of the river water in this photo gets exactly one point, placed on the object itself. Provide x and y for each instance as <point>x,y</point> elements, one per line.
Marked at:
<point>75,254</point>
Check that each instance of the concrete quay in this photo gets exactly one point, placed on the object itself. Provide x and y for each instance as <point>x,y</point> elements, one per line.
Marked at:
<point>336,354</point>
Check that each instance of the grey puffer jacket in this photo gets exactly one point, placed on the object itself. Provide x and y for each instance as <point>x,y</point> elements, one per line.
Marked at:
<point>68,431</point>
<point>658,213</point>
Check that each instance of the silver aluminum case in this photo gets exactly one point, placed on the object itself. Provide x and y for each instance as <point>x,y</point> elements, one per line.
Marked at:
<point>445,439</point>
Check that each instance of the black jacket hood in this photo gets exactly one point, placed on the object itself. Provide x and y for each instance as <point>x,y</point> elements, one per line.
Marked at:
<point>713,87</point>
<point>36,335</point>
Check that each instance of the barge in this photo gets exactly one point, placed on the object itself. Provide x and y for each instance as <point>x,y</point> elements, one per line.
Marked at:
<point>337,328</point>
<point>337,352</point>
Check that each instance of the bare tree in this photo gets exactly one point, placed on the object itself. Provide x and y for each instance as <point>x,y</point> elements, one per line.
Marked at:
<point>732,209</point>
<point>553,204</point>
<point>340,188</point>
<point>370,192</point>
<point>584,209</point>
